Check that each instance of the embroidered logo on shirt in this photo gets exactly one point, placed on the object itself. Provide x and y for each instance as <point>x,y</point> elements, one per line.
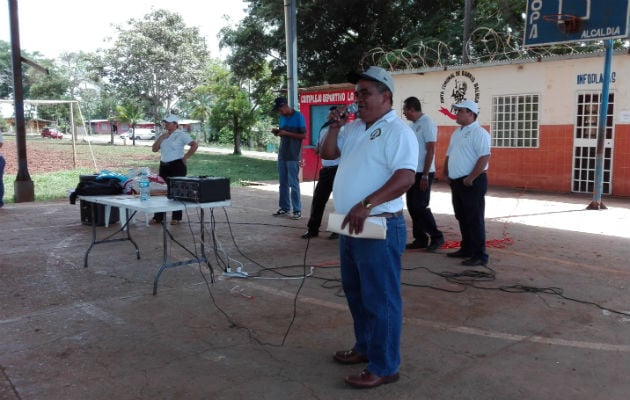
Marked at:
<point>375,134</point>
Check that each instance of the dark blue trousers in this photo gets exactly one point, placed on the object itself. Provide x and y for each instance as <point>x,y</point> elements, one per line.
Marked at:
<point>469,205</point>
<point>423,223</point>
<point>173,168</point>
<point>322,192</point>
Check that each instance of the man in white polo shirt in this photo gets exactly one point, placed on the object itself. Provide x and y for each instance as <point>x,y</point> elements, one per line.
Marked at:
<point>419,194</point>
<point>378,154</point>
<point>465,168</point>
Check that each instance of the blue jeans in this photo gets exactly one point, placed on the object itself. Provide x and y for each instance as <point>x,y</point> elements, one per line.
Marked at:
<point>2,163</point>
<point>289,185</point>
<point>370,274</point>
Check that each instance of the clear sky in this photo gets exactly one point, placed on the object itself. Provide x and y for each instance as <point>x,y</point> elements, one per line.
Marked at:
<point>55,26</point>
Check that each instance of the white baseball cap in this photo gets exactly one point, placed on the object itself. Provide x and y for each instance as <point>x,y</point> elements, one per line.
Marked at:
<point>373,74</point>
<point>171,118</point>
<point>469,104</point>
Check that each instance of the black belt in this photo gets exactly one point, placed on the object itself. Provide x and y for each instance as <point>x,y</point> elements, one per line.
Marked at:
<point>466,176</point>
<point>170,162</point>
<point>388,215</point>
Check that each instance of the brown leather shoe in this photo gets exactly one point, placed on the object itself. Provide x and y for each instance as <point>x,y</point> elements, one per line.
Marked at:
<point>349,357</point>
<point>368,380</point>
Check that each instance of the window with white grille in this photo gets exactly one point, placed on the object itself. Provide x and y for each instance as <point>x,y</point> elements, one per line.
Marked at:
<point>585,143</point>
<point>515,120</point>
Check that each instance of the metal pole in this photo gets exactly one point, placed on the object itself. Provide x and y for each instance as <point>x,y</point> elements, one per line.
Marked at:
<point>74,153</point>
<point>468,7</point>
<point>596,203</point>
<point>24,189</point>
<point>290,21</point>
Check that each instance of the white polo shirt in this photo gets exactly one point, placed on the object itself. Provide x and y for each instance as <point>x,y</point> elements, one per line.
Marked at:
<point>172,148</point>
<point>322,137</point>
<point>467,145</point>
<point>426,132</point>
<point>369,158</point>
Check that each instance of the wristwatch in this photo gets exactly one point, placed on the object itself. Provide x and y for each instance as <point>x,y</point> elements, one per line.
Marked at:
<point>366,203</point>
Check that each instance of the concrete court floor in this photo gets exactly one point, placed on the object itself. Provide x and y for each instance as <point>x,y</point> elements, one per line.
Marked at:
<point>69,332</point>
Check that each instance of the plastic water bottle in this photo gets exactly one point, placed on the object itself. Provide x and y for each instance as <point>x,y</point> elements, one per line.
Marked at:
<point>145,186</point>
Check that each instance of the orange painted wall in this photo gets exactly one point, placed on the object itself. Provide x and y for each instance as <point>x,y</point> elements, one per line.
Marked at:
<point>548,167</point>
<point>621,161</point>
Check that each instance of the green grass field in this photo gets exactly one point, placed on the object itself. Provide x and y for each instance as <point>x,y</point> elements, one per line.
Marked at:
<point>52,165</point>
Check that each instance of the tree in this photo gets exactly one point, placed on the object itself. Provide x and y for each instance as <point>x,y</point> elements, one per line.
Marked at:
<point>155,60</point>
<point>335,37</point>
<point>232,109</point>
<point>200,106</point>
<point>130,113</point>
<point>6,70</point>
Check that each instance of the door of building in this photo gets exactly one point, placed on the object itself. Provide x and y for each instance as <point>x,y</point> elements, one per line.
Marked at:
<point>585,143</point>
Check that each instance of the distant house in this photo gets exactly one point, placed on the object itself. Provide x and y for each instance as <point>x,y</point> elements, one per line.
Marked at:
<point>190,125</point>
<point>105,126</point>
<point>32,125</point>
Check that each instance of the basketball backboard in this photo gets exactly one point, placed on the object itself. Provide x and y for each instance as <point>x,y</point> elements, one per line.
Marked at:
<point>562,21</point>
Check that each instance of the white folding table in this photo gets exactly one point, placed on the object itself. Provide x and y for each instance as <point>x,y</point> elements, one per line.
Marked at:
<point>131,205</point>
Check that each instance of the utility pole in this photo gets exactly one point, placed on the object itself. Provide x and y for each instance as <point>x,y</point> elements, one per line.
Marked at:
<point>23,186</point>
<point>290,21</point>
<point>467,30</point>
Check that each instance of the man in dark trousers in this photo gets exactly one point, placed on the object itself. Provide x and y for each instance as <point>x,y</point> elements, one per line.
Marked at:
<point>419,194</point>
<point>322,192</point>
<point>465,168</point>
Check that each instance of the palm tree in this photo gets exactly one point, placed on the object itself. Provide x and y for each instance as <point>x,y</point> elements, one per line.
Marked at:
<point>202,103</point>
<point>130,113</point>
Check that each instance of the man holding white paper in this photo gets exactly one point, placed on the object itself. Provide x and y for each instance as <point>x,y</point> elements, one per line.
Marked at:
<point>377,155</point>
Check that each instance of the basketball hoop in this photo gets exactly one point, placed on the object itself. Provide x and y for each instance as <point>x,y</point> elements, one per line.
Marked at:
<point>567,23</point>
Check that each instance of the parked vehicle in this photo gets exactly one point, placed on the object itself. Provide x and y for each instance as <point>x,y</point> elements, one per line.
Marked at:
<point>142,133</point>
<point>52,133</point>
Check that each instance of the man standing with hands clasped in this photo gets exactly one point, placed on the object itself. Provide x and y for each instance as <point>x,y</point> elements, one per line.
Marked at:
<point>419,194</point>
<point>465,168</point>
<point>378,154</point>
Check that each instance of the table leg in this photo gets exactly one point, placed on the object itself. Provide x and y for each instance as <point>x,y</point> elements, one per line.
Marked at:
<point>125,228</point>
<point>108,211</point>
<point>166,264</point>
<point>93,215</point>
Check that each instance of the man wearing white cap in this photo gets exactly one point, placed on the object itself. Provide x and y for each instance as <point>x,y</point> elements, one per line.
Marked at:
<point>378,155</point>
<point>171,146</point>
<point>465,168</point>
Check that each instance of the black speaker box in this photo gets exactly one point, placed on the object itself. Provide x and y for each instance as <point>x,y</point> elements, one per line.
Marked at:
<point>99,211</point>
<point>199,189</point>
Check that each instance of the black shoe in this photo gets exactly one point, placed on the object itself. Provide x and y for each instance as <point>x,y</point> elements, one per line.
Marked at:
<point>333,236</point>
<point>416,245</point>
<point>459,254</point>
<point>309,235</point>
<point>280,213</point>
<point>435,244</point>
<point>474,261</point>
